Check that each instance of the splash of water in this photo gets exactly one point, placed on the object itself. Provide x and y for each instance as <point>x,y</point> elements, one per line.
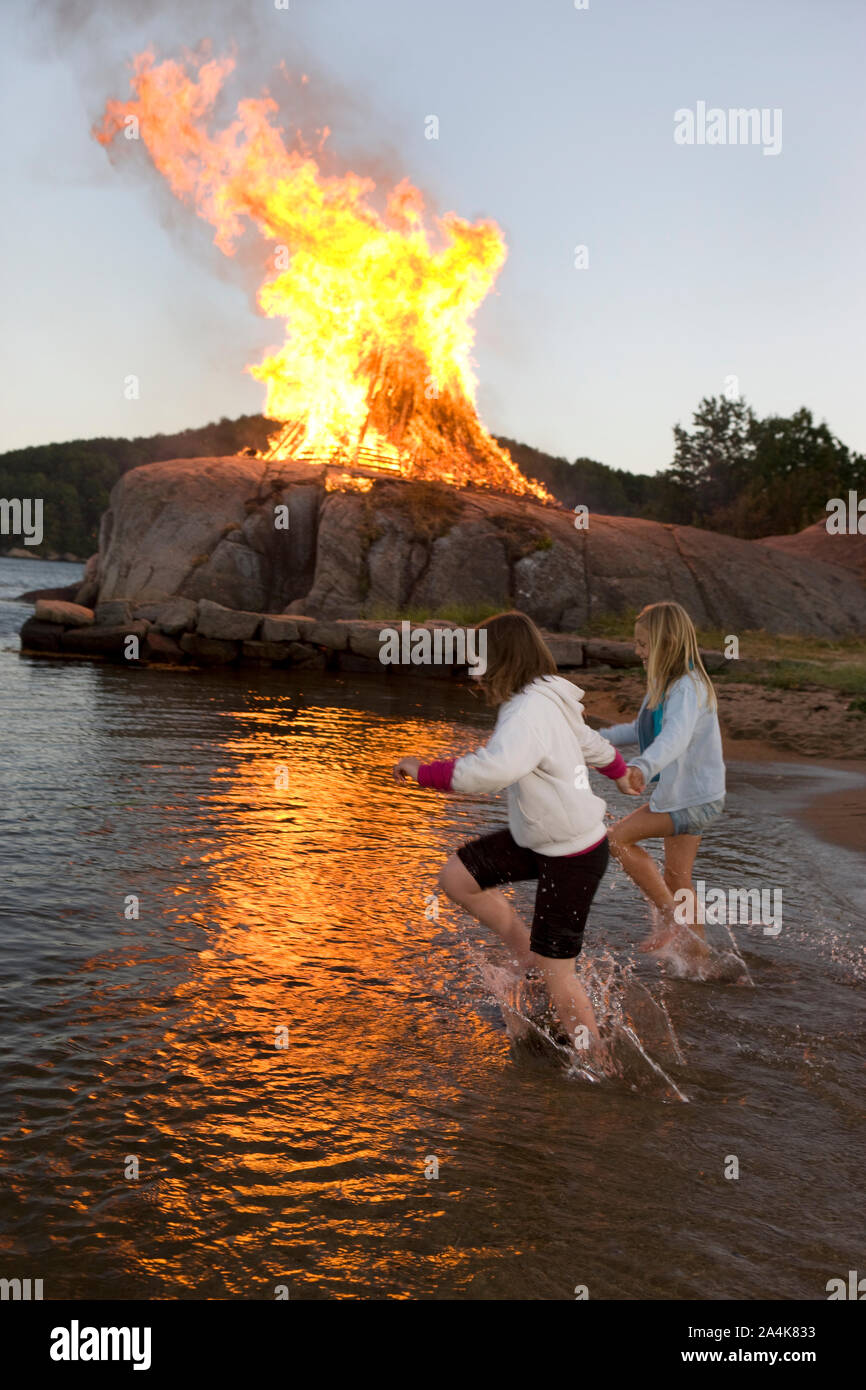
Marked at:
<point>636,1027</point>
<point>688,956</point>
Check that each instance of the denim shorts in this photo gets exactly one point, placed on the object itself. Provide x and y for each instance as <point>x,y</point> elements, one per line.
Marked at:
<point>693,820</point>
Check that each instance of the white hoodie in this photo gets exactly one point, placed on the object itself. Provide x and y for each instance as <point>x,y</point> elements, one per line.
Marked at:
<point>539,750</point>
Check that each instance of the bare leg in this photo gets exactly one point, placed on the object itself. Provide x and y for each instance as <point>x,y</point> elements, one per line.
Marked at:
<point>488,906</point>
<point>570,1000</point>
<point>643,824</point>
<point>680,852</point>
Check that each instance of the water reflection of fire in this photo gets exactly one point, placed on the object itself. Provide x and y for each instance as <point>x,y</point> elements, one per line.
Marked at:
<point>376,369</point>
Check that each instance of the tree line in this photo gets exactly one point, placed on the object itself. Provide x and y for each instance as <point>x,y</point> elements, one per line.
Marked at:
<point>75,479</point>
<point>731,472</point>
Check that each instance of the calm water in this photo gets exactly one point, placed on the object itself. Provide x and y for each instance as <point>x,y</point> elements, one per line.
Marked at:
<point>263,908</point>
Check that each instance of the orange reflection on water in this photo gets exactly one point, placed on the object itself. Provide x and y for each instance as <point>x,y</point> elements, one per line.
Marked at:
<point>316,918</point>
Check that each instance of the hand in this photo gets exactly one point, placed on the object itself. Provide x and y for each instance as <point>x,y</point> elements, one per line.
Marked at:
<point>407,770</point>
<point>624,784</point>
<point>636,780</point>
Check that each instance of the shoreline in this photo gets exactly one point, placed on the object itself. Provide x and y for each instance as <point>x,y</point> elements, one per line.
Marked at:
<point>815,723</point>
<point>836,817</point>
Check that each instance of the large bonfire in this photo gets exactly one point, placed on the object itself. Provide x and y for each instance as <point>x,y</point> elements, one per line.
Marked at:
<point>376,368</point>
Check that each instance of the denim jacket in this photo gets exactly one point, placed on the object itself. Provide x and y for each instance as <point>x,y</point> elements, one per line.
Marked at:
<point>686,754</point>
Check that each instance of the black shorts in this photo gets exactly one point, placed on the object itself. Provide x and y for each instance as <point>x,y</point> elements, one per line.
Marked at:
<point>566,886</point>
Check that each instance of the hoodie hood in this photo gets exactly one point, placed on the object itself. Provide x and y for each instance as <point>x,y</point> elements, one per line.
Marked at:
<point>567,698</point>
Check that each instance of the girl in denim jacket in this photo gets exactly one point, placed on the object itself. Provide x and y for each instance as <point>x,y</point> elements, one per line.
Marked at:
<point>680,758</point>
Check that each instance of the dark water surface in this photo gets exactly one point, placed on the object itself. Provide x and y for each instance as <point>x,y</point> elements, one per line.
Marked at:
<point>305,908</point>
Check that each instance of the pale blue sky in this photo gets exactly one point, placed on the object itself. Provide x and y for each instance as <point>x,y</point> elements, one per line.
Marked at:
<point>558,123</point>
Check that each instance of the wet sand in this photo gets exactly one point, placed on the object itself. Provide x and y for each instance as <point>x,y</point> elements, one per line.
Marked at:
<point>840,817</point>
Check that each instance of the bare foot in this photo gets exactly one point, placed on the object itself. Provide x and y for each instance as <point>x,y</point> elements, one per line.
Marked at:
<point>691,945</point>
<point>661,937</point>
<point>599,1058</point>
<point>679,937</point>
<point>597,1052</point>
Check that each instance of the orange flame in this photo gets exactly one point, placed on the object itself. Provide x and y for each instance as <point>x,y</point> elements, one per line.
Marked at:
<point>377,365</point>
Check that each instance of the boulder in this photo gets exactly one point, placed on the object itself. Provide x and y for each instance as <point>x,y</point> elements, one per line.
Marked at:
<point>89,588</point>
<point>208,651</point>
<point>746,666</point>
<point>232,575</point>
<point>436,658</point>
<point>550,585</point>
<point>278,628</point>
<point>68,593</point>
<point>630,562</point>
<point>566,650</point>
<point>300,654</point>
<point>104,641</point>
<point>364,638</point>
<point>164,521</point>
<point>226,624</point>
<point>265,653</point>
<point>204,529</point>
<point>172,615</point>
<point>114,613</point>
<point>37,636</point>
<point>50,610</point>
<point>396,559</point>
<point>600,652</point>
<point>745,585</point>
<point>162,649</point>
<point>334,636</point>
<point>286,558</point>
<point>846,551</point>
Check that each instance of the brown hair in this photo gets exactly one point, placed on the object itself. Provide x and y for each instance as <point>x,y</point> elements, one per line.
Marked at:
<point>516,655</point>
<point>673,650</point>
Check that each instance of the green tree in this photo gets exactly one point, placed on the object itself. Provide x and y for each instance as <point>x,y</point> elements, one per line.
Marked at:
<point>798,467</point>
<point>715,458</point>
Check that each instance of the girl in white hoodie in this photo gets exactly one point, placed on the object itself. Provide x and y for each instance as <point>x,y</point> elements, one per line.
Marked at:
<point>540,751</point>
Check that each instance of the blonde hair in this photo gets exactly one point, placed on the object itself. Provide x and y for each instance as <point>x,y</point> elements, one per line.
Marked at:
<point>673,650</point>
<point>517,654</point>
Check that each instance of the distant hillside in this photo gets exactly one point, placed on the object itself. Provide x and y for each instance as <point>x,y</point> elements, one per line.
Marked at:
<point>74,479</point>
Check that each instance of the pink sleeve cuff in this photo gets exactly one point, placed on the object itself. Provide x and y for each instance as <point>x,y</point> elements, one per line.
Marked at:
<point>436,775</point>
<point>617,768</point>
